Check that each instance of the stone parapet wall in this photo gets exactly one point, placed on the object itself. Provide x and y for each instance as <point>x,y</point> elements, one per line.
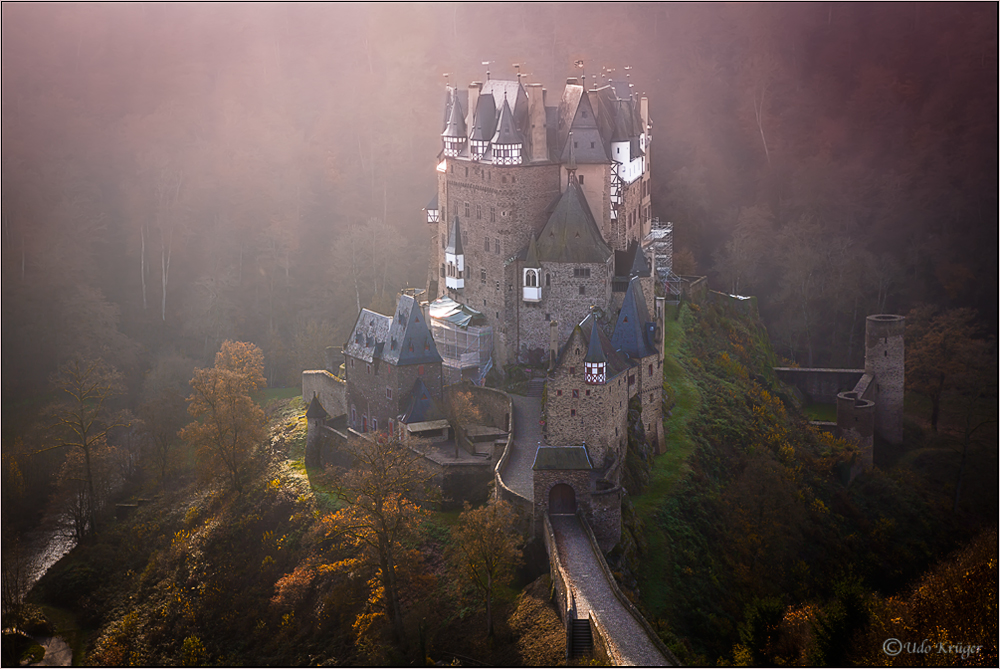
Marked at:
<point>331,391</point>
<point>558,576</point>
<point>620,596</point>
<point>606,516</point>
<point>820,385</point>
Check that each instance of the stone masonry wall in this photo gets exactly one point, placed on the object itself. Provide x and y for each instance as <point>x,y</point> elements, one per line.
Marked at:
<point>368,385</point>
<point>884,353</point>
<point>562,302</point>
<point>544,480</point>
<point>331,390</point>
<point>820,385</point>
<point>601,417</point>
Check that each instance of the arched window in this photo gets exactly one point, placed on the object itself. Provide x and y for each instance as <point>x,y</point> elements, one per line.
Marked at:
<point>531,278</point>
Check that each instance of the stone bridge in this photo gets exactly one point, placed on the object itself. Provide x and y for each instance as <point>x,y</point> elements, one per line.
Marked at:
<point>598,616</point>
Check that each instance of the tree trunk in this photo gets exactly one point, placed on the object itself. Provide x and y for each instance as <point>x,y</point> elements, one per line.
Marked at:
<point>391,593</point>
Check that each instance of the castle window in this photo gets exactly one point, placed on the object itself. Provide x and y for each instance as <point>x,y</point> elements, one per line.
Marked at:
<point>482,276</point>
<point>631,379</point>
<point>368,368</point>
<point>479,211</point>
<point>504,179</point>
<point>548,317</point>
<point>583,290</point>
<point>558,393</point>
<point>374,425</point>
<point>581,179</point>
<point>577,350</point>
<point>572,412</point>
<point>443,241</point>
<point>388,393</point>
<point>442,269</point>
<point>496,246</point>
<point>531,278</point>
<point>650,369</point>
<point>572,371</point>
<point>548,280</point>
<point>498,286</point>
<point>354,416</point>
<point>466,174</point>
<point>588,393</point>
<point>466,204</point>
<point>576,394</point>
<point>486,244</point>
<point>581,272</point>
<point>493,214</point>
<point>576,145</point>
<point>591,145</point>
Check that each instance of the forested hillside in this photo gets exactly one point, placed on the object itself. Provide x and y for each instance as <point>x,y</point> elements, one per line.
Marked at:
<point>753,552</point>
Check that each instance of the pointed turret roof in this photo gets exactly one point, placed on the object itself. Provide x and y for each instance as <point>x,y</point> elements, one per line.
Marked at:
<point>454,238</point>
<point>621,131</point>
<point>420,406</point>
<point>595,352</point>
<point>316,409</point>
<point>587,140</point>
<point>571,233</point>
<point>455,125</point>
<point>531,259</point>
<point>506,130</point>
<point>484,125</point>
<point>631,335</point>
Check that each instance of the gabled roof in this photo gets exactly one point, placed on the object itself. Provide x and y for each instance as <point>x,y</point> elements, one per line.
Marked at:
<point>420,406</point>
<point>572,457</point>
<point>484,125</point>
<point>507,132</point>
<point>402,339</point>
<point>454,238</point>
<point>571,233</point>
<point>410,341</point>
<point>455,123</point>
<point>632,335</point>
<point>433,204</point>
<point>590,146</point>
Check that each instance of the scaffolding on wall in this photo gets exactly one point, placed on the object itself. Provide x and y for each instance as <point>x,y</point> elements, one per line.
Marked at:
<point>463,340</point>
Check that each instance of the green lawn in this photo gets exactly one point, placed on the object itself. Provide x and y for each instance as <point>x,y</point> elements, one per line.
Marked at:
<point>268,394</point>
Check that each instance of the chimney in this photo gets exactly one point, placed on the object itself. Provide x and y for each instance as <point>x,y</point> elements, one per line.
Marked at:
<point>536,119</point>
<point>553,343</point>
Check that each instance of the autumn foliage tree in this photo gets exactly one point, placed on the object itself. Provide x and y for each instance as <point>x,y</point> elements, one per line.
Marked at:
<point>228,424</point>
<point>486,549</point>
<point>382,497</point>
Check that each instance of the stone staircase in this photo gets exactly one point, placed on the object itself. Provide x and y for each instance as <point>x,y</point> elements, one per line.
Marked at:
<point>535,387</point>
<point>581,641</point>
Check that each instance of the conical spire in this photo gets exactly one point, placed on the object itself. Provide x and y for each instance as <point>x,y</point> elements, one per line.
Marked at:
<point>454,238</point>
<point>455,126</point>
<point>531,260</point>
<point>595,352</point>
<point>506,130</point>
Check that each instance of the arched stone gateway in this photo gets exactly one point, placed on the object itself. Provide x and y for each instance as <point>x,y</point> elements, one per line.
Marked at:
<point>562,499</point>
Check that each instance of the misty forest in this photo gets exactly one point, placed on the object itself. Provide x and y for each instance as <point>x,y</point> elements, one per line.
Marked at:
<point>199,198</point>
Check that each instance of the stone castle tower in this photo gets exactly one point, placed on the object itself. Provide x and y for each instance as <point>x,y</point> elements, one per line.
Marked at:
<point>541,209</point>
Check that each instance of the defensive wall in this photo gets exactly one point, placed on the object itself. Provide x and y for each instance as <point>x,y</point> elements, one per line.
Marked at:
<point>820,385</point>
<point>331,390</point>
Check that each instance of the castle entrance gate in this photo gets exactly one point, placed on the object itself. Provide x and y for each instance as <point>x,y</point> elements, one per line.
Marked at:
<point>562,499</point>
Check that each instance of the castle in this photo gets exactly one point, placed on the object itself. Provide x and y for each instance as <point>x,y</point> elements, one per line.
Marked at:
<point>543,253</point>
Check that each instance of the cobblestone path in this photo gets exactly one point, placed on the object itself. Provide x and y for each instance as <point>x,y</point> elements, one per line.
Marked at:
<point>527,438</point>
<point>593,594</point>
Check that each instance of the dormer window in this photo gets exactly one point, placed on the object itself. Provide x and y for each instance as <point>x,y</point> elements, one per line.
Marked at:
<point>595,373</point>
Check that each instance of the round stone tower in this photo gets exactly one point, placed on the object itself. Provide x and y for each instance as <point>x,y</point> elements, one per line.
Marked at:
<point>884,361</point>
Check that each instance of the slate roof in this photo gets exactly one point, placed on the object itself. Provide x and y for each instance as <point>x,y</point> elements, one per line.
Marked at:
<point>633,331</point>
<point>573,457</point>
<point>632,262</point>
<point>617,363</point>
<point>531,258</point>
<point>590,146</point>
<point>454,238</point>
<point>420,406</point>
<point>484,124</point>
<point>316,409</point>
<point>595,352</point>
<point>433,204</point>
<point>402,339</point>
<point>507,132</point>
<point>571,233</point>
<point>455,123</point>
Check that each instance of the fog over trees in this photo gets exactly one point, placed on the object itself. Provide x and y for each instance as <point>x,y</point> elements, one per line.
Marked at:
<point>176,175</point>
<point>179,175</point>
